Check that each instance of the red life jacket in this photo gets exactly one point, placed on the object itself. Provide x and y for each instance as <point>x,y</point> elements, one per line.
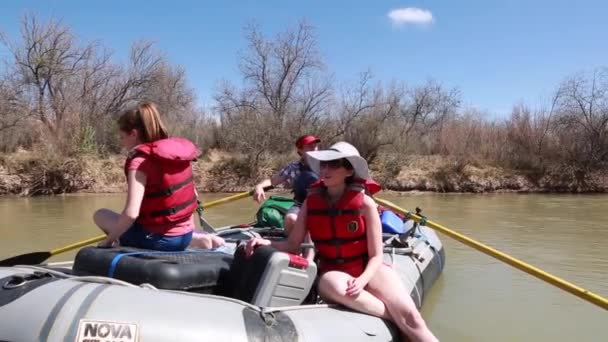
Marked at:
<point>338,232</point>
<point>169,195</point>
<point>371,186</point>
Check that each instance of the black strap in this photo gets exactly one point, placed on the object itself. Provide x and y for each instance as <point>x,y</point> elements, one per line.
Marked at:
<point>168,191</point>
<point>333,212</point>
<point>339,261</point>
<point>278,208</point>
<point>339,241</point>
<point>280,199</point>
<point>173,210</point>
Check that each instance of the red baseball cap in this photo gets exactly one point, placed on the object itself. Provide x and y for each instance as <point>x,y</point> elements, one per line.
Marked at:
<point>306,139</point>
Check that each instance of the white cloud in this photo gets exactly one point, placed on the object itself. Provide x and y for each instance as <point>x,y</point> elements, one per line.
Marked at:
<point>410,15</point>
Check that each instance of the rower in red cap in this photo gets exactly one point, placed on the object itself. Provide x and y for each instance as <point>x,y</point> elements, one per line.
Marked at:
<point>296,175</point>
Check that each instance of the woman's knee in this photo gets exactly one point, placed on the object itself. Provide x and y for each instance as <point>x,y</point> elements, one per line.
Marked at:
<point>99,215</point>
<point>332,285</point>
<point>102,217</point>
<point>290,221</point>
<point>291,218</point>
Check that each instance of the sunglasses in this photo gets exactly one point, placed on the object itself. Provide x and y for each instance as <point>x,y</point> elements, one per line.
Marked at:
<point>332,164</point>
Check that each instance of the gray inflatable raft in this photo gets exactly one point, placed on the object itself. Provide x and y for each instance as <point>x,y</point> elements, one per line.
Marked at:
<point>265,298</point>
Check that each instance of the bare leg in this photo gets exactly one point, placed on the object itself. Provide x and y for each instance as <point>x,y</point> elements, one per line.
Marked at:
<point>290,222</point>
<point>200,240</point>
<point>332,288</point>
<point>387,286</point>
<point>206,240</point>
<point>309,252</point>
<point>105,219</point>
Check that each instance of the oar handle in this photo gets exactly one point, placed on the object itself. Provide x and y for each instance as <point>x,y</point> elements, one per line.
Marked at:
<point>534,271</point>
<point>233,197</point>
<point>77,244</point>
<point>204,224</point>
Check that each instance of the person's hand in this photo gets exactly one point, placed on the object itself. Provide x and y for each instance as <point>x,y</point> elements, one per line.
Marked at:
<point>355,286</point>
<point>106,243</point>
<point>253,244</point>
<point>258,194</point>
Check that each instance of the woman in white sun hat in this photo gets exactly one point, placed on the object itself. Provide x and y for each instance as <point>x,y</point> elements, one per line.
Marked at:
<point>345,227</point>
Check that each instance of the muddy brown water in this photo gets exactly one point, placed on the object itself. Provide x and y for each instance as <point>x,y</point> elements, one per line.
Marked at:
<point>477,298</point>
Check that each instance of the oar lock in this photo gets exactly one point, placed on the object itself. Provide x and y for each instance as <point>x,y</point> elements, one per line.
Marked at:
<point>423,218</point>
<point>20,279</point>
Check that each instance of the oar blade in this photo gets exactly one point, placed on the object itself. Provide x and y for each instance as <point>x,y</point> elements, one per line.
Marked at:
<point>34,258</point>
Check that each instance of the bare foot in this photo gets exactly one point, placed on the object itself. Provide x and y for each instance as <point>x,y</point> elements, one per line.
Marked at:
<point>206,241</point>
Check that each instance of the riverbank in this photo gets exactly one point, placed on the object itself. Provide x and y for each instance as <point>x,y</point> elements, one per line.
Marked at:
<point>34,173</point>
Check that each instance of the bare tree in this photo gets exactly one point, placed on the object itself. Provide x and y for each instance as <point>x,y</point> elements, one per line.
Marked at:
<point>134,80</point>
<point>45,61</point>
<point>583,122</point>
<point>281,71</point>
<point>13,108</point>
<point>367,116</point>
<point>529,134</point>
<point>461,137</point>
<point>284,93</point>
<point>75,90</point>
<point>423,112</point>
<point>355,101</point>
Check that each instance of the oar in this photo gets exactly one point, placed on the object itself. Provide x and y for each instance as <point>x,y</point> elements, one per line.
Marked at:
<point>208,227</point>
<point>36,258</point>
<point>549,278</point>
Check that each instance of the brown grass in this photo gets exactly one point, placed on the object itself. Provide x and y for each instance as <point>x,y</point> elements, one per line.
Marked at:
<point>45,173</point>
<point>32,174</point>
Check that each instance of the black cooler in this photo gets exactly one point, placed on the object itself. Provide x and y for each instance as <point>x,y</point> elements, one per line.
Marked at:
<point>198,270</point>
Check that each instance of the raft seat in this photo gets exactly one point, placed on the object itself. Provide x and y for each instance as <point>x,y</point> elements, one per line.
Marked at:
<point>270,278</point>
<point>199,271</point>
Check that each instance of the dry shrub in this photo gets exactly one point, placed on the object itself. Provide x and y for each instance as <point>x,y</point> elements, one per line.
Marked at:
<point>46,174</point>
<point>230,172</point>
<point>386,168</point>
<point>452,176</point>
<point>236,172</point>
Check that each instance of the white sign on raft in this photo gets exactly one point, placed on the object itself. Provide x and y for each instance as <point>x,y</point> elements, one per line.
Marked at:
<point>107,331</point>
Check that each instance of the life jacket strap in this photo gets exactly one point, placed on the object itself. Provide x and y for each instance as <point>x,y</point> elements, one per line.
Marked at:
<point>339,241</point>
<point>333,212</point>
<point>339,261</point>
<point>170,190</point>
<point>173,210</point>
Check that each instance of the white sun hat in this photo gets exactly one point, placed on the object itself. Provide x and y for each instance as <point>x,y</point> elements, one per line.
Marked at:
<point>339,150</point>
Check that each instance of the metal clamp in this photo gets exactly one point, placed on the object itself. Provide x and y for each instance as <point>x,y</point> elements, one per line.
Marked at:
<point>18,280</point>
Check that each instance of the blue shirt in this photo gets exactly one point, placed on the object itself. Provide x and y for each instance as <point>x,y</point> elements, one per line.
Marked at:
<point>291,172</point>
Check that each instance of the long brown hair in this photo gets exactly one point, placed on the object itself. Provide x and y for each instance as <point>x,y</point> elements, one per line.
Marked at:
<point>146,120</point>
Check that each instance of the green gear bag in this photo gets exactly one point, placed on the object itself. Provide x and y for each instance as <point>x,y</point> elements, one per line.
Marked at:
<point>273,210</point>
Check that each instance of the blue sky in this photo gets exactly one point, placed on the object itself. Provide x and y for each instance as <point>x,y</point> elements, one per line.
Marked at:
<point>497,53</point>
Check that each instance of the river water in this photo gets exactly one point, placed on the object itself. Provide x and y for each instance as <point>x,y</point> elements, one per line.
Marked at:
<point>477,298</point>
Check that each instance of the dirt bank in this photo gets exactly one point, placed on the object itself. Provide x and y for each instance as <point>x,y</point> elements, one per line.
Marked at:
<point>30,174</point>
